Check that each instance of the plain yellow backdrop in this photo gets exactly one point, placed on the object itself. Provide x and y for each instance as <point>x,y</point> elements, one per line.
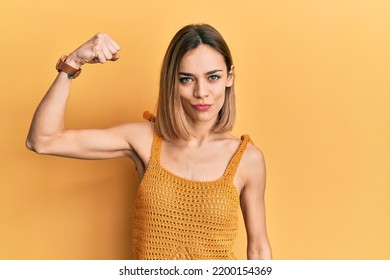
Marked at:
<point>313,91</point>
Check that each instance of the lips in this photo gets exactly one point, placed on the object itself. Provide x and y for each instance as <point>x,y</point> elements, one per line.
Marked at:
<point>202,107</point>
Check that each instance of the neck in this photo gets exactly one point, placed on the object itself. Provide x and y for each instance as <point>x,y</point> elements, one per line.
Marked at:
<point>200,132</point>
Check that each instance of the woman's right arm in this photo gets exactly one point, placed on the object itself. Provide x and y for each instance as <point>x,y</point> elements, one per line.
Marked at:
<point>47,133</point>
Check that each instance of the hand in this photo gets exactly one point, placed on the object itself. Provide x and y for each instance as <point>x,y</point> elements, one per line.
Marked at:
<point>99,49</point>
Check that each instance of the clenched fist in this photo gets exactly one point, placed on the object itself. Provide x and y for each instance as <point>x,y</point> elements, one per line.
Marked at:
<point>99,49</point>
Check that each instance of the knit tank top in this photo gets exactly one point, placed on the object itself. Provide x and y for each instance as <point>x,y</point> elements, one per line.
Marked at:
<point>179,218</point>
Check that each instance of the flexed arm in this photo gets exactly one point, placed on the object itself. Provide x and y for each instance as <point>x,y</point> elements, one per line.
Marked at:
<point>47,133</point>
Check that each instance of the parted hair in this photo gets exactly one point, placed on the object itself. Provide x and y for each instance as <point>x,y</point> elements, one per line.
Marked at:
<point>171,121</point>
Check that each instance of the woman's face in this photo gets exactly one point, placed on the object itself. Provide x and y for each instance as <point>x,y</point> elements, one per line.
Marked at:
<point>201,83</point>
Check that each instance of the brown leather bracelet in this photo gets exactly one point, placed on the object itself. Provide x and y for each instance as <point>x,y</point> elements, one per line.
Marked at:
<point>73,73</point>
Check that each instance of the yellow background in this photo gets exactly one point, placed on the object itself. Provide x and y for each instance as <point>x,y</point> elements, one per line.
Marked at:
<point>313,91</point>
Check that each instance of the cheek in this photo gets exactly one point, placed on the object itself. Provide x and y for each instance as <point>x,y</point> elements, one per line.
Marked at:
<point>220,95</point>
<point>185,104</point>
<point>184,91</point>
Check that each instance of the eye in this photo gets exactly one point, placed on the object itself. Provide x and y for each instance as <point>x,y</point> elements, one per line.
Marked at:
<point>214,77</point>
<point>185,80</point>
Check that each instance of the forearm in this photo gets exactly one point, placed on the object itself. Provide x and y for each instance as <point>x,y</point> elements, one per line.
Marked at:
<point>48,120</point>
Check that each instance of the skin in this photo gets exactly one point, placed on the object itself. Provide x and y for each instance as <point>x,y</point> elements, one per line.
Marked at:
<point>202,79</point>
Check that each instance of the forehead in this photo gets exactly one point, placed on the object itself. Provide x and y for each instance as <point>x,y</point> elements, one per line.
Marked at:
<point>203,59</point>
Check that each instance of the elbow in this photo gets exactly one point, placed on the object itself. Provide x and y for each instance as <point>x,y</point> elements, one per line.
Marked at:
<point>35,146</point>
<point>31,146</point>
<point>30,143</point>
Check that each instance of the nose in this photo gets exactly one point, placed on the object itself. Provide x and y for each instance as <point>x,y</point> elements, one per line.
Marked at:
<point>201,90</point>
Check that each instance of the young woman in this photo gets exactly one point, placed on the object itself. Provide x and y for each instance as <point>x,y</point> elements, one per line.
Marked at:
<point>194,175</point>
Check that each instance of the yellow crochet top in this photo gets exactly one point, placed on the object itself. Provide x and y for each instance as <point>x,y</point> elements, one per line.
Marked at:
<point>178,218</point>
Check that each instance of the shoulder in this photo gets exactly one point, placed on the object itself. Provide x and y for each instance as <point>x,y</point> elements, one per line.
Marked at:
<point>139,135</point>
<point>135,131</point>
<point>252,166</point>
<point>253,155</point>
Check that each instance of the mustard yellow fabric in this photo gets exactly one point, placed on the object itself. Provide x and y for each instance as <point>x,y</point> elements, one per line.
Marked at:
<point>178,218</point>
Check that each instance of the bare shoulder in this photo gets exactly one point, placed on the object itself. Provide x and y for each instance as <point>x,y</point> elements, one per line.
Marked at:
<point>253,155</point>
<point>138,131</point>
<point>252,166</point>
<point>139,135</point>
<point>142,128</point>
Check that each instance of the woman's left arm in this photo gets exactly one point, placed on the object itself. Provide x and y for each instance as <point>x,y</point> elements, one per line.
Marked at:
<point>253,206</point>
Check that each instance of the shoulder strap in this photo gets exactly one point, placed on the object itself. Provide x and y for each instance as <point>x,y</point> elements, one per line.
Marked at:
<point>235,161</point>
<point>156,144</point>
<point>156,148</point>
<point>149,116</point>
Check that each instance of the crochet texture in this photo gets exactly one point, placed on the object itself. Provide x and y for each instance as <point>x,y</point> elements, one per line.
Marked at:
<point>178,218</point>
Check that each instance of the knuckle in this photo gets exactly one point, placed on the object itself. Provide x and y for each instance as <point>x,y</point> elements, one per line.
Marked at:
<point>99,38</point>
<point>96,49</point>
<point>100,35</point>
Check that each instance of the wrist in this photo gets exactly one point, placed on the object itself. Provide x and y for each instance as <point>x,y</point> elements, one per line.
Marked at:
<point>65,67</point>
<point>73,61</point>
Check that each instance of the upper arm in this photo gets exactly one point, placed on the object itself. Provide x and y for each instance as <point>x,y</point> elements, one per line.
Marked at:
<point>116,141</point>
<point>253,205</point>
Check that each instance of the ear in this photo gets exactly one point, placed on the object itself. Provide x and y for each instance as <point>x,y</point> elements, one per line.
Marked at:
<point>230,77</point>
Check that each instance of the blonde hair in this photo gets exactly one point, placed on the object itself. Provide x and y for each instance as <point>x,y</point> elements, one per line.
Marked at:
<point>171,121</point>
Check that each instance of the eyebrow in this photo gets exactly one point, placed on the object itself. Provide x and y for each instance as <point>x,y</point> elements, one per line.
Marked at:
<point>208,73</point>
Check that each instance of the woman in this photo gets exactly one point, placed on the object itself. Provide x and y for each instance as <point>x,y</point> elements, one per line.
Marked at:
<point>193,174</point>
